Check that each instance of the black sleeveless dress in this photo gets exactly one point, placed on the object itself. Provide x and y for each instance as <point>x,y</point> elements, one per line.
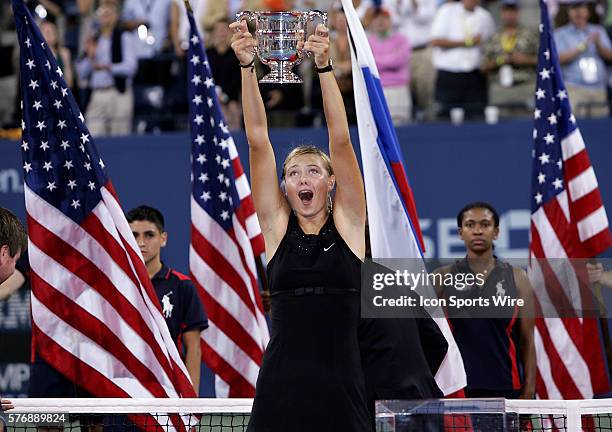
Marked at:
<point>311,377</point>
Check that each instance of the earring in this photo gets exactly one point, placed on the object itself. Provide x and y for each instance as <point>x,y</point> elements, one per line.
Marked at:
<point>330,203</point>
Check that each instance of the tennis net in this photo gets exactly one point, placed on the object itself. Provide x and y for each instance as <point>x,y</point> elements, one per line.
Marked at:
<point>129,415</point>
<point>499,415</point>
<point>232,415</point>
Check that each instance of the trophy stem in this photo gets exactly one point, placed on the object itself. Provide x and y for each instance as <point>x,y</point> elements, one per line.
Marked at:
<point>281,73</point>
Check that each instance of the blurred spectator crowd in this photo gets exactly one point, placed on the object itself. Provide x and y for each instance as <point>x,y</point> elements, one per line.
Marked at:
<point>125,59</point>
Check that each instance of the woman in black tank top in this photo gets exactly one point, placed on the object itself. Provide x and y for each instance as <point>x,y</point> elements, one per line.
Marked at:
<point>311,377</point>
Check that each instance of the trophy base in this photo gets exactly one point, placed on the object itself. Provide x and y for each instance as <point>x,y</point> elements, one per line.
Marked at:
<point>281,73</point>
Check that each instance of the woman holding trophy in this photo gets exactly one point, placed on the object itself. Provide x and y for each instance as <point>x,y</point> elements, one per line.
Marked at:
<point>311,377</point>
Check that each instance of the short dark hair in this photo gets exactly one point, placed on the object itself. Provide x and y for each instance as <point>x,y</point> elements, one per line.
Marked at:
<point>146,213</point>
<point>12,232</point>
<point>477,204</point>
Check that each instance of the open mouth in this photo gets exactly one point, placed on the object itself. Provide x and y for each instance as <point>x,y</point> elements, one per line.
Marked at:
<point>305,196</point>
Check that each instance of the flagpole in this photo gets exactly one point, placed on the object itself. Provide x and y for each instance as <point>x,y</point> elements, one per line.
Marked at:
<point>220,216</point>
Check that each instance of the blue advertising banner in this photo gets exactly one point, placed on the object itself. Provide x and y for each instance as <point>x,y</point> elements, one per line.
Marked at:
<point>447,167</point>
<point>14,379</point>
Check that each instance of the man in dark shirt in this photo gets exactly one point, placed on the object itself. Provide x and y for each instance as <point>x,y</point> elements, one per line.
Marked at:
<point>181,306</point>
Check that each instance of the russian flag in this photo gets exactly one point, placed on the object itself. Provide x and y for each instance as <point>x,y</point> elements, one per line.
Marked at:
<point>392,216</point>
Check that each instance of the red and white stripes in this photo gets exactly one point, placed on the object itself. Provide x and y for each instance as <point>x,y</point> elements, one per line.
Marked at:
<point>223,269</point>
<point>96,318</point>
<point>573,225</point>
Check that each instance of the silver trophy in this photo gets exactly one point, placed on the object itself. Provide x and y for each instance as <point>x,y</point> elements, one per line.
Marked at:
<point>278,35</point>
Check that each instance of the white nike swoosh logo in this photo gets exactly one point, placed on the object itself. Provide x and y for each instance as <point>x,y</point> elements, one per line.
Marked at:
<point>325,249</point>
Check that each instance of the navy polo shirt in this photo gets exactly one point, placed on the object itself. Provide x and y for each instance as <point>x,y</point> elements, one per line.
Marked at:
<point>181,305</point>
<point>490,347</point>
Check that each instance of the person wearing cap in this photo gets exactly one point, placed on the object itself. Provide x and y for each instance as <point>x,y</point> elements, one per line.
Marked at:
<point>583,50</point>
<point>510,58</point>
<point>458,33</point>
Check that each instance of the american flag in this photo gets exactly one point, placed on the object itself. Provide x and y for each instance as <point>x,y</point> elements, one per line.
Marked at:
<point>568,220</point>
<point>225,236</point>
<point>96,317</point>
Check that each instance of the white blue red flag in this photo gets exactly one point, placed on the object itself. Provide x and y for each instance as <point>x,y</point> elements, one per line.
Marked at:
<point>225,237</point>
<point>568,220</point>
<point>392,216</point>
<point>95,315</point>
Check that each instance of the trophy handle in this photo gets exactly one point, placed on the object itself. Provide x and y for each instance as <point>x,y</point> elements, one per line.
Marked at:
<point>317,13</point>
<point>248,15</point>
<point>310,16</point>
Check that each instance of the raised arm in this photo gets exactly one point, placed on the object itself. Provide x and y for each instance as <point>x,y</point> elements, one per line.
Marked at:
<point>272,208</point>
<point>349,205</point>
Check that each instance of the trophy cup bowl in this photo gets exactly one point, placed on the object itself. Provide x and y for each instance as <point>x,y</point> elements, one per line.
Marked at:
<point>278,36</point>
